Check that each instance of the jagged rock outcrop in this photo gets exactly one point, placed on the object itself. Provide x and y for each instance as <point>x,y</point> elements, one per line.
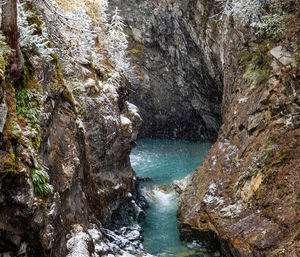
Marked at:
<point>68,130</point>
<point>177,95</point>
<point>244,198</point>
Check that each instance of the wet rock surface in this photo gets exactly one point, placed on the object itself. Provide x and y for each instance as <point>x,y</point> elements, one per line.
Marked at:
<point>176,94</point>
<point>85,176</point>
<point>127,238</point>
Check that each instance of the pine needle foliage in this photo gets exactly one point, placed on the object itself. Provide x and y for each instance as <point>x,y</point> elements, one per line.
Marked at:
<point>117,42</point>
<point>269,17</point>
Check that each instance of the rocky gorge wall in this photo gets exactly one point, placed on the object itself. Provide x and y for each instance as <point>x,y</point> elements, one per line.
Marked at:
<point>177,95</point>
<point>66,132</point>
<point>67,124</point>
<point>244,198</point>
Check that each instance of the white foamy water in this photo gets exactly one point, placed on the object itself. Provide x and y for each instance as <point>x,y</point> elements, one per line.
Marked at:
<point>165,161</point>
<point>160,198</point>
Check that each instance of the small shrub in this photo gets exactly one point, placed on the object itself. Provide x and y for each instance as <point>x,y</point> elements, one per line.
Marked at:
<point>247,11</point>
<point>279,252</point>
<point>269,17</point>
<point>257,76</point>
<point>273,25</point>
<point>244,58</point>
<point>268,155</point>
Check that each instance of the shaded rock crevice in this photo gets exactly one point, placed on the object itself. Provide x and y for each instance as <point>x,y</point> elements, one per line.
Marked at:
<point>176,95</point>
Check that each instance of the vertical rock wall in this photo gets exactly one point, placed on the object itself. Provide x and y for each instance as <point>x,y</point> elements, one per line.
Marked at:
<point>177,94</point>
<point>72,121</point>
<point>244,198</point>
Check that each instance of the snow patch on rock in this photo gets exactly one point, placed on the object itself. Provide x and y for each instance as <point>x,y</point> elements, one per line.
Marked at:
<point>78,243</point>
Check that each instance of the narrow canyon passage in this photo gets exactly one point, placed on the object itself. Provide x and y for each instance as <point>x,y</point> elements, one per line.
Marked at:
<point>99,74</point>
<point>163,161</point>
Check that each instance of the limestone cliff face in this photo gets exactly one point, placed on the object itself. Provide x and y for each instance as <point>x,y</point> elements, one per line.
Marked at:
<point>177,95</point>
<point>73,122</point>
<point>244,198</point>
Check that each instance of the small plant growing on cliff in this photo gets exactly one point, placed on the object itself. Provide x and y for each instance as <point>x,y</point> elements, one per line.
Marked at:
<point>28,105</point>
<point>279,252</point>
<point>259,68</point>
<point>256,75</point>
<point>272,25</point>
<point>268,17</point>
<point>40,180</point>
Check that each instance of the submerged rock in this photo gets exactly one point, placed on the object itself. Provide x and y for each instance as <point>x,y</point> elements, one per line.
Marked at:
<point>145,179</point>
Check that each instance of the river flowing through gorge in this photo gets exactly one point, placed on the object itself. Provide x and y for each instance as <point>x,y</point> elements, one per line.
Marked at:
<point>80,81</point>
<point>163,161</point>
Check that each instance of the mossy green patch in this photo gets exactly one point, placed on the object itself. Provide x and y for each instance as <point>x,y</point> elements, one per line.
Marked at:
<point>280,158</point>
<point>244,58</point>
<point>67,92</point>
<point>278,252</point>
<point>137,52</point>
<point>127,31</point>
<point>259,68</point>
<point>267,155</point>
<point>3,63</point>
<point>13,129</point>
<point>4,51</point>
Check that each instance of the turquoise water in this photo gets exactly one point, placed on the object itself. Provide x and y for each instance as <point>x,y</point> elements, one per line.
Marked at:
<point>164,161</point>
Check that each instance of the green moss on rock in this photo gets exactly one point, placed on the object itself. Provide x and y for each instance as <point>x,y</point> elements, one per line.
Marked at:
<point>137,52</point>
<point>259,69</point>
